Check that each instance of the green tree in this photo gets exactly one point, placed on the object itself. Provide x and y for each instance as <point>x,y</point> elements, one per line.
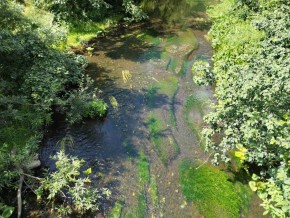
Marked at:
<point>36,79</point>
<point>251,73</point>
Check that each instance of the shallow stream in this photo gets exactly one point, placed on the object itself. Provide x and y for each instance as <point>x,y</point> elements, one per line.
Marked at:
<point>144,74</point>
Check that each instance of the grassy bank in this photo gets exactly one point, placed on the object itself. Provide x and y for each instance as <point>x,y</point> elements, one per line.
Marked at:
<point>212,190</point>
<point>82,32</point>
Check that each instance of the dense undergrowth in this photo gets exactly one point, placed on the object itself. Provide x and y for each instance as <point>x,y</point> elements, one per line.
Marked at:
<point>39,77</point>
<point>251,73</point>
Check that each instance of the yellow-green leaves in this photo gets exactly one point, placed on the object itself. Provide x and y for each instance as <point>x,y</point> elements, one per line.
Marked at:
<point>241,153</point>
<point>88,171</point>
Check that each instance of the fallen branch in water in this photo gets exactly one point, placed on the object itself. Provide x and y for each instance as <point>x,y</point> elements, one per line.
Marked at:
<point>29,166</point>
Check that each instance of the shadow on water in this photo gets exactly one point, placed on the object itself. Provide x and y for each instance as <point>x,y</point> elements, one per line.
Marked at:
<point>107,145</point>
<point>110,146</point>
<point>126,43</point>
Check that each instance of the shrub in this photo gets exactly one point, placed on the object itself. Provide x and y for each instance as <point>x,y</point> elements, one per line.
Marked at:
<point>95,108</point>
<point>67,184</point>
<point>251,73</point>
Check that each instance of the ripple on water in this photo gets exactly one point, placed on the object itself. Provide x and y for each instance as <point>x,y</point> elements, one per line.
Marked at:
<point>91,141</point>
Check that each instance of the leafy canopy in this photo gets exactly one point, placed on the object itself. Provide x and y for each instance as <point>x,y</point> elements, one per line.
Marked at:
<point>251,73</point>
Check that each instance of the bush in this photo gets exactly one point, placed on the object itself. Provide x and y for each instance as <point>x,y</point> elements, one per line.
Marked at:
<point>95,108</point>
<point>251,72</point>
<point>35,78</point>
<point>71,10</point>
<point>67,184</point>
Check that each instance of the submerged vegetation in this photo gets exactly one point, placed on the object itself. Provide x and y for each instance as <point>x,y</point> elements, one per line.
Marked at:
<point>168,87</point>
<point>196,104</point>
<point>165,146</point>
<point>212,191</point>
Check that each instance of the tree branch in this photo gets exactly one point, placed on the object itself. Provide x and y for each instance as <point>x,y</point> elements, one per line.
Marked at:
<point>19,199</point>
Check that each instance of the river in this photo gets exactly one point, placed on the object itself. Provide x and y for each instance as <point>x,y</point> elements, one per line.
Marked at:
<point>143,72</point>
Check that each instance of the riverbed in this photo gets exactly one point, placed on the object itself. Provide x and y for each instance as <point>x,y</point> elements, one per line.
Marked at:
<point>143,72</point>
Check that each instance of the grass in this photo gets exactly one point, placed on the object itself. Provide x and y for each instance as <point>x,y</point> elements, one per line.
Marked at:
<point>210,189</point>
<point>143,169</point>
<point>153,189</point>
<point>81,32</point>
<point>165,144</point>
<point>116,210</point>
<point>140,211</point>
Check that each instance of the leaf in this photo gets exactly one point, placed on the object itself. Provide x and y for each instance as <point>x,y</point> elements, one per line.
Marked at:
<point>126,75</point>
<point>88,171</point>
<point>253,185</point>
<point>7,212</point>
<point>240,155</point>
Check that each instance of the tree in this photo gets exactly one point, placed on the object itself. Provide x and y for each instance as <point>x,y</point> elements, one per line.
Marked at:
<point>251,73</point>
<point>36,79</point>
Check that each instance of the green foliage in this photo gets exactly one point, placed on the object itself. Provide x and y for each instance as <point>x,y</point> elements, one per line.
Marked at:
<point>91,10</point>
<point>96,108</point>
<point>211,190</point>
<point>35,77</point>
<point>201,73</point>
<point>5,210</point>
<point>18,147</point>
<point>116,210</point>
<point>47,74</point>
<point>171,11</point>
<point>251,72</point>
<point>66,183</point>
<point>134,11</point>
<point>70,10</point>
<point>143,169</point>
<point>80,32</point>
